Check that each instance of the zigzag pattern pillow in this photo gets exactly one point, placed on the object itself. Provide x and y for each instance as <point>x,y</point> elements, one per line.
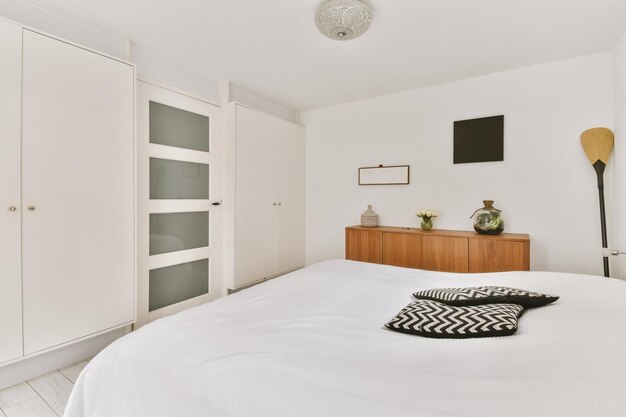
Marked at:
<point>486,295</point>
<point>437,320</point>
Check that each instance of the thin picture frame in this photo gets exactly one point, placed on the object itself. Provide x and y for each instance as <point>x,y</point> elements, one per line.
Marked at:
<point>384,175</point>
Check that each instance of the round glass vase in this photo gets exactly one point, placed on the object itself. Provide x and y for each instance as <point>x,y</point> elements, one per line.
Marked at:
<point>427,224</point>
<point>488,219</point>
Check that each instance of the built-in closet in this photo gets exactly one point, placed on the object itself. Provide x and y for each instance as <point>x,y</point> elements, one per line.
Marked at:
<point>265,204</point>
<point>67,263</point>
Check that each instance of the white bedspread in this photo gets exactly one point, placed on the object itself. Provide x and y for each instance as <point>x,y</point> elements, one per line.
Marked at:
<point>312,344</point>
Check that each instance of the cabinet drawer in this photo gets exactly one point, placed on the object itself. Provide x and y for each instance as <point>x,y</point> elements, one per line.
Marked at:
<point>488,255</point>
<point>402,250</point>
<point>364,246</point>
<point>447,254</point>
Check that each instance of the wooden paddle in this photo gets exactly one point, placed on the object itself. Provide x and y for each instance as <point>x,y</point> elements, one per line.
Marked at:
<point>598,145</point>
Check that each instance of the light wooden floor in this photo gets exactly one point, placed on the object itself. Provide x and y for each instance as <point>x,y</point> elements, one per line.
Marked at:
<point>44,396</point>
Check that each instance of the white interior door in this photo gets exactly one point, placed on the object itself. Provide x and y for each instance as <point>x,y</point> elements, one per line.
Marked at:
<point>180,185</point>
<point>256,203</point>
<point>10,244</point>
<point>290,195</point>
<point>77,192</point>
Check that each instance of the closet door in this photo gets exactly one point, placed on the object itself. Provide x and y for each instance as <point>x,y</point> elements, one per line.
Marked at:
<point>289,179</point>
<point>78,192</point>
<point>255,241</point>
<point>10,244</point>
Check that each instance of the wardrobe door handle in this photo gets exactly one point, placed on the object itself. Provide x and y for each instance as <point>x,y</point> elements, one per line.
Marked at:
<point>280,204</point>
<point>31,208</point>
<point>274,204</point>
<point>12,208</point>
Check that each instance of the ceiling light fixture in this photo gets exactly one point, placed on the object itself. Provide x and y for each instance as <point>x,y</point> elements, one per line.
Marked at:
<point>343,20</point>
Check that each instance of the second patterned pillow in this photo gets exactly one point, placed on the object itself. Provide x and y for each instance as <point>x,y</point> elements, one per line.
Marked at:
<point>471,296</point>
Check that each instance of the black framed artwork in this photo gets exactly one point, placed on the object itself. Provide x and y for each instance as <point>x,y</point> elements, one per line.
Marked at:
<point>479,140</point>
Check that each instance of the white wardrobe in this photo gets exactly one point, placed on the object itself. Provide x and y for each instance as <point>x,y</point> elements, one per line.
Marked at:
<point>66,192</point>
<point>265,208</point>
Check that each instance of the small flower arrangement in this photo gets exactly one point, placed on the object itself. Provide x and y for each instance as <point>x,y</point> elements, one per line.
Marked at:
<point>427,218</point>
<point>427,214</point>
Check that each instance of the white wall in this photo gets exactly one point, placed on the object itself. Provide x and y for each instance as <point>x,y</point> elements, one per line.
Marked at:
<point>619,188</point>
<point>545,185</point>
<point>148,63</point>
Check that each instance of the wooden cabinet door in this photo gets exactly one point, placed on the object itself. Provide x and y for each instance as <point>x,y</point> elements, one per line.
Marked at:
<point>364,245</point>
<point>78,192</point>
<point>401,249</point>
<point>447,254</point>
<point>488,255</point>
<point>10,208</point>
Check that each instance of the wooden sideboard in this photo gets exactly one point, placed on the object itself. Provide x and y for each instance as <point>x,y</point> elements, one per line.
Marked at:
<point>438,250</point>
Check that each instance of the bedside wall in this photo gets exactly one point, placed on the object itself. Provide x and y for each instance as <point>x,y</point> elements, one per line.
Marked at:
<point>545,185</point>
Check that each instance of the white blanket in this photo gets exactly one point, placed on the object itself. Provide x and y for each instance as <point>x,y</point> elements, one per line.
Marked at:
<point>312,344</point>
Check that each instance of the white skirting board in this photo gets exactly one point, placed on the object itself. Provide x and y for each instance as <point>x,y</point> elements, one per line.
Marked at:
<point>38,365</point>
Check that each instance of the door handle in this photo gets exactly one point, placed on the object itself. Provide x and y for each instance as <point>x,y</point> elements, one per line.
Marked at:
<point>216,203</point>
<point>12,208</point>
<point>31,208</point>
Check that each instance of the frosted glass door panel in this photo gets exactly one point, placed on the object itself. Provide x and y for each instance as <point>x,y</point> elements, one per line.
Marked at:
<point>172,180</point>
<point>173,284</point>
<point>172,232</point>
<point>175,127</point>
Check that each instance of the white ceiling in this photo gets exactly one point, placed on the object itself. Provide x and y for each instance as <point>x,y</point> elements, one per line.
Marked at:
<point>271,47</point>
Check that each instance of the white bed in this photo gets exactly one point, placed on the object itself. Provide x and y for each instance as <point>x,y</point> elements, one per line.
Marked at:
<point>312,344</point>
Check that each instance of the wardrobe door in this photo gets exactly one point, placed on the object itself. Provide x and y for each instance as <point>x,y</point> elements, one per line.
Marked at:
<point>78,192</point>
<point>10,244</point>
<point>290,195</point>
<point>255,213</point>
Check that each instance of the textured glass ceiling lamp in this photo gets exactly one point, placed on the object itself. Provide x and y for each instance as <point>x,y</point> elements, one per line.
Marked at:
<point>343,20</point>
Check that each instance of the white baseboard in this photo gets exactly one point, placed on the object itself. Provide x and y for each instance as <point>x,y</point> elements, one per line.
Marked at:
<point>29,368</point>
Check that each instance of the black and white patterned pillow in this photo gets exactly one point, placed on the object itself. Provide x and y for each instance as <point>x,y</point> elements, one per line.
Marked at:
<point>434,319</point>
<point>485,295</point>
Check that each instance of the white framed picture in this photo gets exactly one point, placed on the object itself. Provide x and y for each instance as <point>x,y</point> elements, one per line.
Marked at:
<point>384,175</point>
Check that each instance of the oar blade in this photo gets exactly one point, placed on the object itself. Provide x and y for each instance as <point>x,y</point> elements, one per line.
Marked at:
<point>597,144</point>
